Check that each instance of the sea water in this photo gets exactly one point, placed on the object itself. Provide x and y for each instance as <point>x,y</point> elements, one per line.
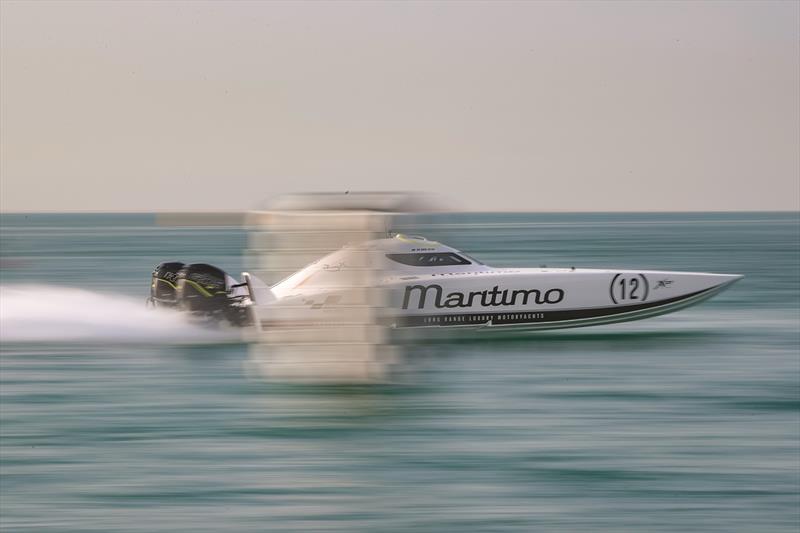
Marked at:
<point>113,418</point>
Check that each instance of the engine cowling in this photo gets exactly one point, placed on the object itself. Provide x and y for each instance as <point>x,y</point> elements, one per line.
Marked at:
<point>164,284</point>
<point>202,288</point>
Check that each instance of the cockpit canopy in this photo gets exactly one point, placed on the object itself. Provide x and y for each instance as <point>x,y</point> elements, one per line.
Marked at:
<point>362,264</point>
<point>429,259</point>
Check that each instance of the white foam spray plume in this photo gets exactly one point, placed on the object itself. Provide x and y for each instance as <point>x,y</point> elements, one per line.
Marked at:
<point>49,313</point>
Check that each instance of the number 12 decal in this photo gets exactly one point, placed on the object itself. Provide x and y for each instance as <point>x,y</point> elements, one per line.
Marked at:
<point>629,288</point>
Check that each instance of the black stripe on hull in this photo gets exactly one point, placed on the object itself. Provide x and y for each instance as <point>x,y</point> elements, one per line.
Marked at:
<point>553,318</point>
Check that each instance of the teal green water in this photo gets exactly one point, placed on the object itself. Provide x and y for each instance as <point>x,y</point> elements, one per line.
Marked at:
<point>110,421</point>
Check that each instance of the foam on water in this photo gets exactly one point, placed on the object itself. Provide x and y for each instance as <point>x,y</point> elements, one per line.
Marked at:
<point>52,313</point>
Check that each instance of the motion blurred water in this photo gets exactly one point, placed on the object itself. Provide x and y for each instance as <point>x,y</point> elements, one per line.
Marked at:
<point>112,419</point>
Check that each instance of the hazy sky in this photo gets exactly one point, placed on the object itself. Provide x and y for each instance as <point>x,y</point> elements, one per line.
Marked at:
<point>524,105</point>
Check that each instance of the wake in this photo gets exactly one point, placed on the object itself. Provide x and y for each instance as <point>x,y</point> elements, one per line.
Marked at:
<point>51,313</point>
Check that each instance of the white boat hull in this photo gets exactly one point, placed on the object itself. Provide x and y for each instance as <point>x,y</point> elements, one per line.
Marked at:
<point>586,302</point>
<point>463,293</point>
<point>544,316</point>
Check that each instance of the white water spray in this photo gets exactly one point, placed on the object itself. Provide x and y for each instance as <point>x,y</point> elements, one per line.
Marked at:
<point>50,313</point>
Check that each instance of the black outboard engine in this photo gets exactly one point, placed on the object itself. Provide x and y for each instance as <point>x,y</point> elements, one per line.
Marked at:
<point>201,289</point>
<point>164,284</point>
<point>206,290</point>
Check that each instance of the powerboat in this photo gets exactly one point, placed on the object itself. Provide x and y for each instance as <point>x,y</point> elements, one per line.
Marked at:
<point>411,282</point>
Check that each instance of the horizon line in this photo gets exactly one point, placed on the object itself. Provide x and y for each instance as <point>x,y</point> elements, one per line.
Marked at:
<point>444,211</point>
